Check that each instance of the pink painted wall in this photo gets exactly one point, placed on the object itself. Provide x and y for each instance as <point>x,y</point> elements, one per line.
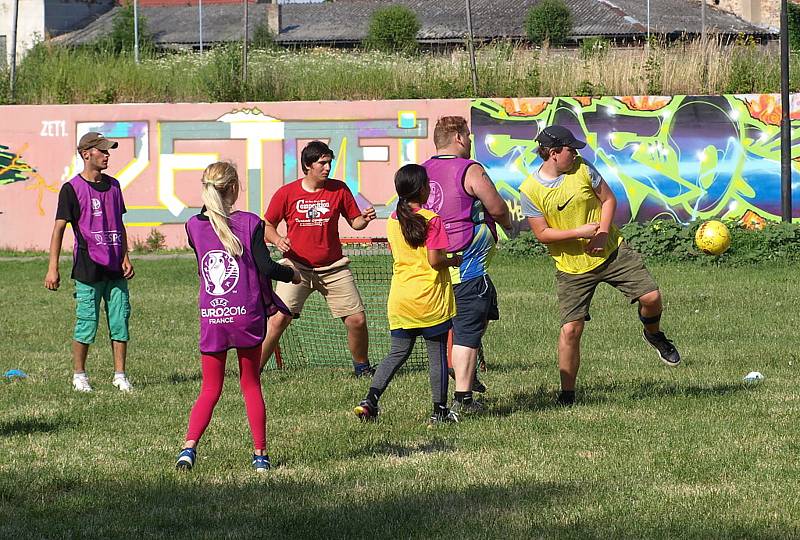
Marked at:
<point>164,147</point>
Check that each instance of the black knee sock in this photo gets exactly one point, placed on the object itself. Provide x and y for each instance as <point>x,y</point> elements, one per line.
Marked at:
<point>463,397</point>
<point>439,409</point>
<point>373,395</point>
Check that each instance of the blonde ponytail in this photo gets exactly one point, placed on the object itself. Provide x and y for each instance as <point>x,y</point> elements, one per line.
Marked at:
<point>220,191</point>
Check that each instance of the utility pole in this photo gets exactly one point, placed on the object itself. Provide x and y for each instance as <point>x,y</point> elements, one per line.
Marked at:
<point>200,5</point>
<point>786,126</point>
<point>703,19</point>
<point>136,31</point>
<point>473,66</point>
<point>244,48</point>
<point>13,79</point>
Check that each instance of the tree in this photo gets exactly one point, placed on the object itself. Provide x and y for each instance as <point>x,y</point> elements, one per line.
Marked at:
<point>393,28</point>
<point>549,20</point>
<point>794,26</point>
<point>121,38</point>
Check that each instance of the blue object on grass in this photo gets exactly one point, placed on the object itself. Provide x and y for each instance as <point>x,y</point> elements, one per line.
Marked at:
<point>15,373</point>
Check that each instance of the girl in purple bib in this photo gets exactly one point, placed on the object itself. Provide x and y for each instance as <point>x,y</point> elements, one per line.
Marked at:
<point>235,300</point>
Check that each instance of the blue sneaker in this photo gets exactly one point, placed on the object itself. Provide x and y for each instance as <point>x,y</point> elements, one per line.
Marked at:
<point>261,463</point>
<point>186,459</point>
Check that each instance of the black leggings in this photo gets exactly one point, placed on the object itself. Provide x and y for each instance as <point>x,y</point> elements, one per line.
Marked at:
<point>400,352</point>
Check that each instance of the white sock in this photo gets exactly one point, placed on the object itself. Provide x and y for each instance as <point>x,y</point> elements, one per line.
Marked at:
<point>119,374</point>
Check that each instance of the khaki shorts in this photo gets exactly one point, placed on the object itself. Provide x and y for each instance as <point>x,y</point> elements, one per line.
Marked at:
<point>624,270</point>
<point>334,282</point>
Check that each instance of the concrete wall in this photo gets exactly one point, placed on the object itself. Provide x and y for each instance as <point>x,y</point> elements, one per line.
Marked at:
<point>683,158</point>
<point>30,25</point>
<point>761,12</point>
<point>39,19</point>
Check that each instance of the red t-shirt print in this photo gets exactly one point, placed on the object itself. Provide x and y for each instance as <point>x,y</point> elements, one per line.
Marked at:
<point>312,220</point>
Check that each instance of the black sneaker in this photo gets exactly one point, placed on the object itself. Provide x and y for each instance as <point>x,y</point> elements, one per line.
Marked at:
<point>477,385</point>
<point>473,407</point>
<point>448,417</point>
<point>365,371</point>
<point>566,399</point>
<point>666,350</point>
<point>366,411</point>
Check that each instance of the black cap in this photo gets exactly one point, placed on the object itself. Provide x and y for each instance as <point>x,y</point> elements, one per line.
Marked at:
<point>554,136</point>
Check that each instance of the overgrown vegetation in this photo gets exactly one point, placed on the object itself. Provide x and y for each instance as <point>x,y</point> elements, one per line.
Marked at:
<point>667,241</point>
<point>393,29</point>
<point>549,21</point>
<point>54,74</point>
<point>155,241</point>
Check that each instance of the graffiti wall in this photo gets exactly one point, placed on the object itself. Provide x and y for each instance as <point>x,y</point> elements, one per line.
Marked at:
<point>682,158</point>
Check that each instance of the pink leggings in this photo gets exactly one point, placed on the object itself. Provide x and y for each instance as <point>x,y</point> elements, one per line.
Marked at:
<point>213,366</point>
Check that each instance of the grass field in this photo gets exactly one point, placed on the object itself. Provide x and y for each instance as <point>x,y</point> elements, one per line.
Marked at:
<point>649,452</point>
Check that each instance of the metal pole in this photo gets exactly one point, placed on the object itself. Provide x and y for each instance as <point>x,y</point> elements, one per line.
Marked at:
<point>244,47</point>
<point>648,23</point>
<point>473,66</point>
<point>786,126</point>
<point>201,26</point>
<point>13,79</point>
<point>136,31</point>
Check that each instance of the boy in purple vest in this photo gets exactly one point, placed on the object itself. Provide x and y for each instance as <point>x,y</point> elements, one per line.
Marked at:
<point>92,204</point>
<point>469,205</point>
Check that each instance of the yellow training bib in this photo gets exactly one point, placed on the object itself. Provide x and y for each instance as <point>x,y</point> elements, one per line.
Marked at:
<point>568,206</point>
<point>419,296</point>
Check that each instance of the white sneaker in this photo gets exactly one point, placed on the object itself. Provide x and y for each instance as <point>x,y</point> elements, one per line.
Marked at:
<point>81,383</point>
<point>122,382</point>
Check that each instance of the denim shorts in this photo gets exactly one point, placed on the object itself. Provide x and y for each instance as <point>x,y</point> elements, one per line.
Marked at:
<point>88,297</point>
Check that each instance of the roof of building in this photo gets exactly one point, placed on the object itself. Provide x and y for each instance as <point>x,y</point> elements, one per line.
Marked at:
<point>347,21</point>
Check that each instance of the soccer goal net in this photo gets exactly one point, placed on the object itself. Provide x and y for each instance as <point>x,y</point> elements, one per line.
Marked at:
<point>318,339</point>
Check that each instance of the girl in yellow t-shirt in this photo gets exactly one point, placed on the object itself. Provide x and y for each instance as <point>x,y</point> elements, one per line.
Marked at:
<point>421,301</point>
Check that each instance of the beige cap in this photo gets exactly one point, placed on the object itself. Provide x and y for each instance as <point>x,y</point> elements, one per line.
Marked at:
<point>97,140</point>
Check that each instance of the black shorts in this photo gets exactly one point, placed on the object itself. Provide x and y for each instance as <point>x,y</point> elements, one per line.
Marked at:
<point>476,305</point>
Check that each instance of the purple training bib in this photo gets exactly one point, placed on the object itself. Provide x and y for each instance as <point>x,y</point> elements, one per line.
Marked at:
<point>100,222</point>
<point>459,210</point>
<point>235,299</point>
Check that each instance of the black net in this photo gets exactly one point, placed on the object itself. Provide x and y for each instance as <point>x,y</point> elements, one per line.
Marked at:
<point>317,339</point>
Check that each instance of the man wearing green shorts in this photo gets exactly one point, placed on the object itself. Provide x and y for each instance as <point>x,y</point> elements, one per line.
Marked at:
<point>570,208</point>
<point>92,204</point>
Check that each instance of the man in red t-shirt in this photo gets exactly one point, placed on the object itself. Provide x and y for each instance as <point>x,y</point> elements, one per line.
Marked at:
<point>311,207</point>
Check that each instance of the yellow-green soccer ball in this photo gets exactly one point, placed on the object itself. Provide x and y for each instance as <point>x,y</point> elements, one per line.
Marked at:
<point>713,238</point>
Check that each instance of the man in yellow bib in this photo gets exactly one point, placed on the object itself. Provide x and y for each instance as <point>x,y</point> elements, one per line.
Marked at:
<point>570,208</point>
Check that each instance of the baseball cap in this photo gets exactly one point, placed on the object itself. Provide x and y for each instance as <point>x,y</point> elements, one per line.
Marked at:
<point>553,136</point>
<point>94,139</point>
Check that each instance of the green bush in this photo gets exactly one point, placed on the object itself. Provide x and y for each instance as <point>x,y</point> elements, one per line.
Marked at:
<point>524,244</point>
<point>549,20</point>
<point>393,28</point>
<point>748,71</point>
<point>594,47</point>
<point>667,241</point>
<point>121,39</point>
<point>262,37</point>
